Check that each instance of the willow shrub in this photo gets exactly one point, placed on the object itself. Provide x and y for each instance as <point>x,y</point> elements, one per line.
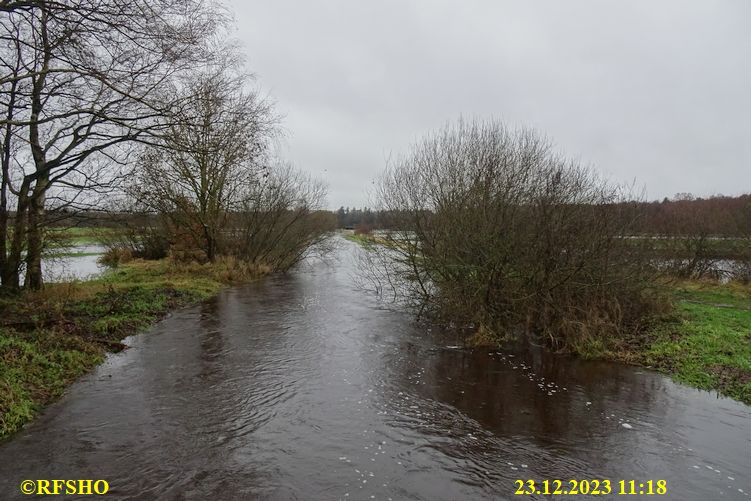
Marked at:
<point>491,228</point>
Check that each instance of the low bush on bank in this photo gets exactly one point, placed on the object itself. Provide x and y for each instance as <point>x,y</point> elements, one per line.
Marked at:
<point>492,228</point>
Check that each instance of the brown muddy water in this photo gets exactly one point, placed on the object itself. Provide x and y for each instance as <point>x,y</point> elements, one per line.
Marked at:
<point>303,387</point>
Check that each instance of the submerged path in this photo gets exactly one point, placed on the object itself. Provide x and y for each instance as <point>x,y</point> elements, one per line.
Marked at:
<point>301,387</point>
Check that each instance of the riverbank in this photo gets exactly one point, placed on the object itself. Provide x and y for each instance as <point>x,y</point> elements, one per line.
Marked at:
<point>282,384</point>
<point>706,343</point>
<point>62,237</point>
<point>366,240</point>
<point>50,338</point>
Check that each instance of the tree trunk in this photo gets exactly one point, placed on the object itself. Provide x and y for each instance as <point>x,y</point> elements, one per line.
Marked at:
<point>5,271</point>
<point>41,175</point>
<point>35,242</point>
<point>210,244</point>
<point>11,277</point>
<point>4,216</point>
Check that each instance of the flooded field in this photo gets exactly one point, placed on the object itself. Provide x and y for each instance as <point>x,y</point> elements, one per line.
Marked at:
<point>77,263</point>
<point>304,387</point>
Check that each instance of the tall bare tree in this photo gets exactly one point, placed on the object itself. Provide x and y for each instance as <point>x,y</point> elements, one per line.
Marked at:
<point>211,151</point>
<point>11,102</point>
<point>92,75</point>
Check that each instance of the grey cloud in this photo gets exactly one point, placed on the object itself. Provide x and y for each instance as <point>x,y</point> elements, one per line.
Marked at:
<point>645,90</point>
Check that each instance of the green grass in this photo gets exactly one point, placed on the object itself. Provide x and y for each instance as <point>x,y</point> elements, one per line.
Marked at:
<point>366,241</point>
<point>56,255</point>
<point>717,248</point>
<point>50,338</point>
<point>36,367</point>
<point>708,342</point>
<point>369,240</point>
<point>80,235</point>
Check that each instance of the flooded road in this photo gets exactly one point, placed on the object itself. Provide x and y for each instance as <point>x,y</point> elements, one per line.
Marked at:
<point>302,387</point>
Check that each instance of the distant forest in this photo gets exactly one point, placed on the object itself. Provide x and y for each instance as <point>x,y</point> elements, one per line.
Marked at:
<point>359,219</point>
<point>683,214</point>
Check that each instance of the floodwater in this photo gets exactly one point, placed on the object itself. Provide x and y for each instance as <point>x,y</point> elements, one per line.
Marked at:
<point>63,269</point>
<point>303,387</point>
<point>70,268</point>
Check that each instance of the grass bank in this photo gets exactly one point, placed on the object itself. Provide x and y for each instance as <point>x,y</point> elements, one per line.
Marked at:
<point>706,343</point>
<point>361,239</point>
<point>366,240</point>
<point>50,338</point>
<point>81,235</point>
<point>58,255</point>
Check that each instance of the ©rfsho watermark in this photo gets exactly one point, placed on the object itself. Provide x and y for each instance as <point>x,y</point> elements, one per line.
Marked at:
<point>67,487</point>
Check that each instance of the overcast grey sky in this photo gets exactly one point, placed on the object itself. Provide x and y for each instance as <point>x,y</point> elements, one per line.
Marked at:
<point>653,91</point>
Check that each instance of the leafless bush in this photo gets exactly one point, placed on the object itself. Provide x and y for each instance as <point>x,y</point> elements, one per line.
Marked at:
<point>281,220</point>
<point>363,229</point>
<point>740,270</point>
<point>687,241</point>
<point>114,256</point>
<point>492,228</point>
<point>142,236</point>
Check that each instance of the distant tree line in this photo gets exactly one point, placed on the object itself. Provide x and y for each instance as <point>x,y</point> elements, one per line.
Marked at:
<point>684,214</point>
<point>364,219</point>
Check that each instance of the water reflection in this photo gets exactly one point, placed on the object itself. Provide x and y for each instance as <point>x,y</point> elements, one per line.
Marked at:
<point>77,263</point>
<point>301,387</point>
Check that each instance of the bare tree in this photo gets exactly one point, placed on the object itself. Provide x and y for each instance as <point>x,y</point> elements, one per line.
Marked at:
<point>493,228</point>
<point>92,75</point>
<point>209,155</point>
<point>281,219</point>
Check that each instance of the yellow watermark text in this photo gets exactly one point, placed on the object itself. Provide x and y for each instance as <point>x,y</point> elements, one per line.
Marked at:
<point>67,487</point>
